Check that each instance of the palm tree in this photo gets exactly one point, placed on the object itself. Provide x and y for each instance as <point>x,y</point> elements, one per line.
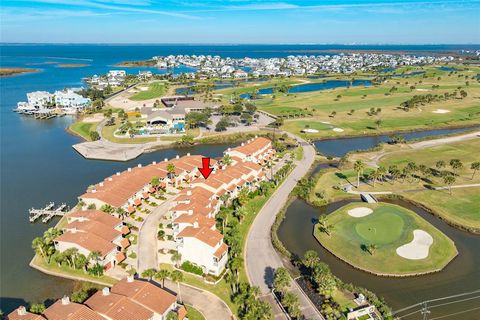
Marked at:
<point>371,248</point>
<point>324,226</point>
<point>95,256</point>
<point>155,182</point>
<point>475,166</point>
<point>281,280</point>
<point>240,213</point>
<point>39,245</point>
<point>226,160</point>
<point>121,212</point>
<point>171,170</point>
<point>291,302</point>
<point>177,276</point>
<point>176,257</point>
<point>378,123</point>
<point>449,179</point>
<point>374,175</point>
<point>310,259</point>
<point>161,275</point>
<point>149,273</point>
<point>359,166</point>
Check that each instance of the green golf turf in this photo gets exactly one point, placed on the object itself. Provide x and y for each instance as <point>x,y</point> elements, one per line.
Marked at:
<point>387,227</point>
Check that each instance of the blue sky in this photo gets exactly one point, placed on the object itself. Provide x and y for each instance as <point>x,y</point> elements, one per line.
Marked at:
<point>241,21</point>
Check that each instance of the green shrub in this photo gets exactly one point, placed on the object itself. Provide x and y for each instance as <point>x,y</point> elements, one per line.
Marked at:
<point>189,267</point>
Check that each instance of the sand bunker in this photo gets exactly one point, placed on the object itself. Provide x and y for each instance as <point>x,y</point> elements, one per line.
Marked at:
<point>423,90</point>
<point>441,111</point>
<point>325,122</point>
<point>359,212</point>
<point>309,130</point>
<point>338,129</point>
<point>418,248</point>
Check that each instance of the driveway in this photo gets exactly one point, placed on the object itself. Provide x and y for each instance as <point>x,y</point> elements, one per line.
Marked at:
<point>211,306</point>
<point>261,258</point>
<point>147,237</point>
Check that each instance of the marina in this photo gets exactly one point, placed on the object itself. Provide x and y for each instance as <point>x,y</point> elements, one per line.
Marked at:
<point>48,212</point>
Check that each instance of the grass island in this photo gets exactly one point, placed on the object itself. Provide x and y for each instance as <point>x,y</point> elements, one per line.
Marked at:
<point>385,239</point>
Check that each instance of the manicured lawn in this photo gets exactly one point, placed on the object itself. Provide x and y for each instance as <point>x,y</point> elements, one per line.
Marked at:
<point>155,90</point>
<point>78,274</point>
<point>388,227</point>
<point>83,129</point>
<point>193,314</point>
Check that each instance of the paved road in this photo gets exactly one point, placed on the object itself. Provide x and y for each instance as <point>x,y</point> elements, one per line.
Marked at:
<point>211,306</point>
<point>147,238</point>
<point>261,258</point>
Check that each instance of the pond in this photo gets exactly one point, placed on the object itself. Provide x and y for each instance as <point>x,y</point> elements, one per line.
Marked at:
<point>461,275</point>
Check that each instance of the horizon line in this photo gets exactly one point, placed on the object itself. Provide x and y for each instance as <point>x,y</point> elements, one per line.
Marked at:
<point>237,44</point>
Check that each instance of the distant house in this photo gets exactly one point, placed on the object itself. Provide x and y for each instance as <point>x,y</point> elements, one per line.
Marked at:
<point>117,73</point>
<point>240,74</point>
<point>39,99</point>
<point>70,99</point>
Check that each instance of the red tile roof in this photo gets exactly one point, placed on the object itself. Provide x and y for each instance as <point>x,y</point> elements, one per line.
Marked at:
<point>118,307</point>
<point>204,234</point>
<point>88,241</point>
<point>14,315</point>
<point>97,228</point>
<point>70,311</point>
<point>253,146</point>
<point>95,215</point>
<point>145,294</point>
<point>221,250</point>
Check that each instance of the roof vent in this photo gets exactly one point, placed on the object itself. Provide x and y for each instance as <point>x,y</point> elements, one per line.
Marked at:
<point>65,300</point>
<point>129,169</point>
<point>21,311</point>
<point>106,291</point>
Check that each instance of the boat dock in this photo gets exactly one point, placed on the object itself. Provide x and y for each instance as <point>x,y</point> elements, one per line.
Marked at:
<point>48,212</point>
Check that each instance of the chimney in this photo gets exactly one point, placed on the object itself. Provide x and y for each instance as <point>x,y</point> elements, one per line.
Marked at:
<point>177,157</point>
<point>154,162</point>
<point>139,165</point>
<point>21,311</point>
<point>110,179</point>
<point>188,154</point>
<point>190,211</point>
<point>189,192</point>
<point>130,279</point>
<point>101,184</point>
<point>165,159</point>
<point>256,137</point>
<point>243,144</point>
<point>65,300</point>
<point>106,291</point>
<point>118,173</point>
<point>129,169</point>
<point>195,224</point>
<point>229,149</point>
<point>94,190</point>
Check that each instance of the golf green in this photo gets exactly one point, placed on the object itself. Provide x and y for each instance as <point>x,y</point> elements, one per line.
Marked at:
<point>382,227</point>
<point>370,242</point>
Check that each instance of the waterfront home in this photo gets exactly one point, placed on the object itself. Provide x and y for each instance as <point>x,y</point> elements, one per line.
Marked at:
<point>149,296</point>
<point>240,74</point>
<point>21,313</point>
<point>116,73</point>
<point>88,242</point>
<point>204,247</point>
<point>39,99</point>
<point>127,189</point>
<point>69,100</point>
<point>144,75</point>
<point>64,309</point>
<point>256,150</point>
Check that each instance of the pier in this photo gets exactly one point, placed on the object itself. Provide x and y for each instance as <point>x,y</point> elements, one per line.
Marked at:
<point>48,212</point>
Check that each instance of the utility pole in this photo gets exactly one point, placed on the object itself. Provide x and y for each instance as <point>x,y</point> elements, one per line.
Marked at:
<point>425,312</point>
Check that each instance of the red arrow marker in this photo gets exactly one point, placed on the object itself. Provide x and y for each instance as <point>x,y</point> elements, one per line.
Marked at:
<point>205,170</point>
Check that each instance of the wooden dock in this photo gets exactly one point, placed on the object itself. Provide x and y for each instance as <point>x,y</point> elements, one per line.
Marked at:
<point>48,212</point>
